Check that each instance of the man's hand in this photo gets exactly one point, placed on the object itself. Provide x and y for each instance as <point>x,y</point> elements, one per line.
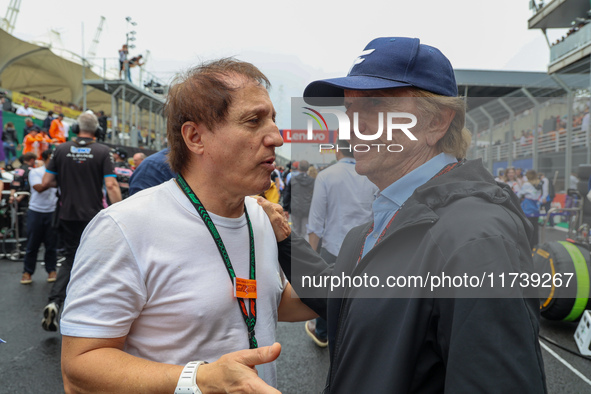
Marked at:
<point>235,372</point>
<point>277,218</point>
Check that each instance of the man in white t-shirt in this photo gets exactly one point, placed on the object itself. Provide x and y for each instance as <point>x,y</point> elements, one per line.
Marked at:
<point>187,271</point>
<point>39,225</point>
<point>25,110</point>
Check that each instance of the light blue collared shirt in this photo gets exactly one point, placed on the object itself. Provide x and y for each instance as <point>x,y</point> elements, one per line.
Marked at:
<point>391,198</point>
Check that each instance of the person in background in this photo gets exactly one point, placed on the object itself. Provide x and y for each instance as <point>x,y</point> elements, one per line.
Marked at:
<point>298,198</point>
<point>57,132</point>
<point>9,142</point>
<point>510,179</point>
<point>122,59</point>
<point>39,225</point>
<point>519,176</point>
<point>47,122</point>
<point>29,125</point>
<point>35,142</point>
<point>272,193</point>
<point>530,194</point>
<point>153,171</point>
<point>25,110</point>
<point>78,167</point>
<point>500,176</point>
<point>122,170</point>
<point>102,132</point>
<point>20,183</point>
<point>137,159</point>
<point>548,195</point>
<point>135,61</point>
<point>6,104</point>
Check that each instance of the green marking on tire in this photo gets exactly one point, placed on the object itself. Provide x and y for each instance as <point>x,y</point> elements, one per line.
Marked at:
<point>582,274</point>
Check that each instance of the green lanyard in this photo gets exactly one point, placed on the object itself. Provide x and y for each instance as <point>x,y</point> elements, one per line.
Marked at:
<point>250,317</point>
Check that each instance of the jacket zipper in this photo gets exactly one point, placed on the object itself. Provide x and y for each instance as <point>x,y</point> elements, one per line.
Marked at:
<point>345,300</point>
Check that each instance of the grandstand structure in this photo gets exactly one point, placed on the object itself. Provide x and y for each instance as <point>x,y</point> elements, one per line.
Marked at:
<point>54,79</point>
<point>528,120</point>
<point>537,120</point>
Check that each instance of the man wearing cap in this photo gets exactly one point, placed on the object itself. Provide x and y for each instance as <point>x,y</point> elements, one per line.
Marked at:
<point>122,170</point>
<point>435,213</point>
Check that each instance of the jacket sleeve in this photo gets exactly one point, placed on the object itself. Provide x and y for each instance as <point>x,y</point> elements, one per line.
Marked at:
<point>298,259</point>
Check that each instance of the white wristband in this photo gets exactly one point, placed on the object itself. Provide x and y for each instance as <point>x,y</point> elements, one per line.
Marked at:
<point>188,380</point>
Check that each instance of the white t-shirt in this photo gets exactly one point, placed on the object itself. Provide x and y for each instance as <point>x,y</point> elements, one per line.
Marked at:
<point>148,268</point>
<point>41,202</point>
<point>25,111</point>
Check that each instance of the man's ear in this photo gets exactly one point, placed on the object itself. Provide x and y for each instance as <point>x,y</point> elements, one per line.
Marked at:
<point>439,125</point>
<point>193,136</point>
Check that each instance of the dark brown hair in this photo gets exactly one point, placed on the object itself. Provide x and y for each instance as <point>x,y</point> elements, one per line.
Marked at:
<point>203,95</point>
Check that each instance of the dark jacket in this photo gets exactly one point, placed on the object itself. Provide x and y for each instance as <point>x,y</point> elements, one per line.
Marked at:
<point>394,342</point>
<point>297,198</point>
<point>153,171</point>
<point>9,135</point>
<point>47,123</point>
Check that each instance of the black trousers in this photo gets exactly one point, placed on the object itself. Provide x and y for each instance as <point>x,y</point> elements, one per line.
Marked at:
<point>39,230</point>
<point>70,233</point>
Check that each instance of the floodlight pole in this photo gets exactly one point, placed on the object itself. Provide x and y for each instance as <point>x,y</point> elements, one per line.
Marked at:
<point>535,156</point>
<point>570,96</point>
<point>491,123</point>
<point>114,117</point>
<point>474,134</point>
<point>512,132</point>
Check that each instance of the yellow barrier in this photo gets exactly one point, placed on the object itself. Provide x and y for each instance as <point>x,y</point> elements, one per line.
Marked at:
<point>20,99</point>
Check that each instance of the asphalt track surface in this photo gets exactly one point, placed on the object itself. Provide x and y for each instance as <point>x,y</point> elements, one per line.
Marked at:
<point>30,358</point>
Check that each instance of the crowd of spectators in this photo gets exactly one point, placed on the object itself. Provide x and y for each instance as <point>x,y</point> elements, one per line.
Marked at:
<point>571,31</point>
<point>37,145</point>
<point>535,190</point>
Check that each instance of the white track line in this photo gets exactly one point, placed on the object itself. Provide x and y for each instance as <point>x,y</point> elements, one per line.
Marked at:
<point>575,371</point>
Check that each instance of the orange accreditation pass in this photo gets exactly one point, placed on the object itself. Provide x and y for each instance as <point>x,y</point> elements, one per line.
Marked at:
<point>245,288</point>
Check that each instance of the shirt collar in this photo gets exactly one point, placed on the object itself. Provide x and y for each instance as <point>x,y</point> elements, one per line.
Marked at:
<point>402,189</point>
<point>350,160</point>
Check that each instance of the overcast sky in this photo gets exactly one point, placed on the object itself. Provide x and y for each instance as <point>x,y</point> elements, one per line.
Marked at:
<point>292,42</point>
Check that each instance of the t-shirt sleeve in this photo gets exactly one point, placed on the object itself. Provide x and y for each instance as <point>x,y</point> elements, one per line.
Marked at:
<point>108,166</point>
<point>106,291</point>
<point>35,178</point>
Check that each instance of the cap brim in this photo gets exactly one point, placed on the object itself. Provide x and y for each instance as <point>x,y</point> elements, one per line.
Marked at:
<point>316,91</point>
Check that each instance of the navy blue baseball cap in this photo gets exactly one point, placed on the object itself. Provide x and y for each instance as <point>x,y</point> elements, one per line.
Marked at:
<point>392,62</point>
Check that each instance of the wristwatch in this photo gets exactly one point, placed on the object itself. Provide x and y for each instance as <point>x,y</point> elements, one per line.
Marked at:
<point>188,381</point>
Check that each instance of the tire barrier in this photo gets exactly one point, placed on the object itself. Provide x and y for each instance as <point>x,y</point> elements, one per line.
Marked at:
<point>557,263</point>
